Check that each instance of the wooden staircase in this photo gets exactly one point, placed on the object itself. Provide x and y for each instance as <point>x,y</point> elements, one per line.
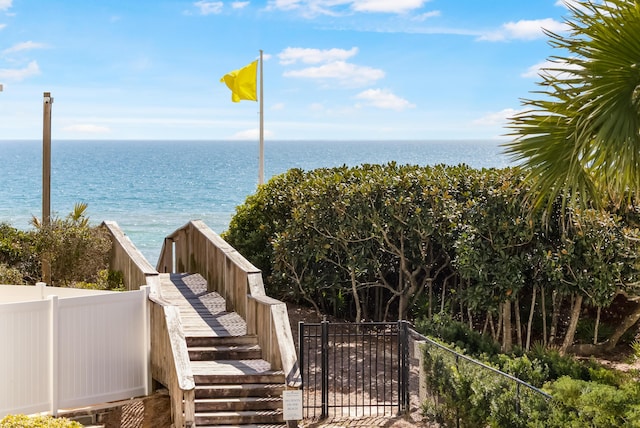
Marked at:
<point>235,387</point>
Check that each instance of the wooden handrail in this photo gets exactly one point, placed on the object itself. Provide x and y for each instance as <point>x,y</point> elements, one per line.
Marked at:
<point>170,360</point>
<point>196,248</point>
<point>169,355</point>
<point>126,258</point>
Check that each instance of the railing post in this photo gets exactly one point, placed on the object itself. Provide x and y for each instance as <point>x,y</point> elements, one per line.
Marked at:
<point>301,357</point>
<point>325,368</point>
<point>403,336</point>
<point>54,365</point>
<point>146,325</point>
<point>457,403</point>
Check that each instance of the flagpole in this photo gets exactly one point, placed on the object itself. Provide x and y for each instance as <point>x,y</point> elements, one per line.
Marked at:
<point>261,166</point>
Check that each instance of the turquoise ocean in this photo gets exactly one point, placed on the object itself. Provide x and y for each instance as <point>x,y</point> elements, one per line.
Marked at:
<point>151,188</point>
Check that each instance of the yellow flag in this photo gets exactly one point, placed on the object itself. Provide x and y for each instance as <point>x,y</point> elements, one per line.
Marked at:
<point>242,83</point>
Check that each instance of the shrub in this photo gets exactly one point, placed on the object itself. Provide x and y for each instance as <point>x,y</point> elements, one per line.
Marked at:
<point>459,334</point>
<point>17,251</point>
<point>262,216</point>
<point>106,280</point>
<point>23,421</point>
<point>77,250</point>
<point>10,275</point>
<point>594,404</point>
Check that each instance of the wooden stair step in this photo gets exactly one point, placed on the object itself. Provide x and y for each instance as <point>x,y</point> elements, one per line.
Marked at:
<point>276,425</point>
<point>240,390</point>
<point>225,352</point>
<point>204,405</point>
<point>250,366</point>
<point>217,379</point>
<point>208,340</point>
<point>242,417</point>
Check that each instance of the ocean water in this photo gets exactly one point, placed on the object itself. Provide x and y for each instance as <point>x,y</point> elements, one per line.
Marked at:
<point>151,188</point>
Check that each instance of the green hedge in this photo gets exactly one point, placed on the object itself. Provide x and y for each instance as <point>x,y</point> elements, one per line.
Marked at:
<point>23,421</point>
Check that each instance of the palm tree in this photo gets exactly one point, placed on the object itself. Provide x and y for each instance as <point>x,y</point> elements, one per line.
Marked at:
<point>583,136</point>
<point>581,141</point>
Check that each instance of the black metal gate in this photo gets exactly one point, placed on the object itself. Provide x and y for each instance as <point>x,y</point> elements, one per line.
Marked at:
<point>354,370</point>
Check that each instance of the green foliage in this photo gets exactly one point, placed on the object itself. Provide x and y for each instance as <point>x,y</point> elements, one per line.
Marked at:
<point>595,404</point>
<point>373,241</point>
<point>581,137</point>
<point>457,334</point>
<point>23,421</point>
<point>261,218</point>
<point>480,397</point>
<point>475,396</point>
<point>559,365</point>
<point>17,251</point>
<point>106,280</point>
<point>77,251</point>
<point>10,276</point>
<point>635,348</point>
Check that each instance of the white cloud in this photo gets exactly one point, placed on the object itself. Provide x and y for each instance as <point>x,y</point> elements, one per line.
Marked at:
<point>17,75</point>
<point>525,30</point>
<point>550,68</point>
<point>535,70</point>
<point>5,4</point>
<point>251,134</point>
<point>336,7</point>
<point>314,56</point>
<point>387,6</point>
<point>345,73</point>
<point>2,26</point>
<point>427,15</point>
<point>239,4</point>
<point>285,4</point>
<point>569,3</point>
<point>209,7</point>
<point>277,106</point>
<point>24,46</point>
<point>384,99</point>
<point>87,129</point>
<point>496,118</point>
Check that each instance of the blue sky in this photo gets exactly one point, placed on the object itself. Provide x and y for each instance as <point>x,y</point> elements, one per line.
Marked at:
<point>333,69</point>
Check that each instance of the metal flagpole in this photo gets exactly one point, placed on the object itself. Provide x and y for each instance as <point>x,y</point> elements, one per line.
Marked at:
<point>261,161</point>
<point>46,179</point>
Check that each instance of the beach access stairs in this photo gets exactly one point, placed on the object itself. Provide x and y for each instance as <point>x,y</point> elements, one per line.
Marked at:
<point>219,344</point>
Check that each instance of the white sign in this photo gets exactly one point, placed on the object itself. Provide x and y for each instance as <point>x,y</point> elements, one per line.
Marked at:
<point>292,405</point>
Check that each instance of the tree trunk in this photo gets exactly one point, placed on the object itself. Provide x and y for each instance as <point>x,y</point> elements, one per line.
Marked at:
<point>518,322</point>
<point>430,310</point>
<point>354,292</point>
<point>507,339</point>
<point>595,330</point>
<point>530,321</point>
<point>555,315</point>
<point>544,316</point>
<point>494,335</point>
<point>573,324</point>
<point>625,325</point>
<point>403,304</point>
<point>486,324</point>
<point>443,295</point>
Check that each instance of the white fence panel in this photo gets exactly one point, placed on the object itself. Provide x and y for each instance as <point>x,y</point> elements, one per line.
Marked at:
<point>102,347</point>
<point>24,357</point>
<point>73,352</point>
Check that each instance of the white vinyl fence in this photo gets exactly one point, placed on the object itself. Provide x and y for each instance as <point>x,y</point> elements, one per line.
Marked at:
<point>61,353</point>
